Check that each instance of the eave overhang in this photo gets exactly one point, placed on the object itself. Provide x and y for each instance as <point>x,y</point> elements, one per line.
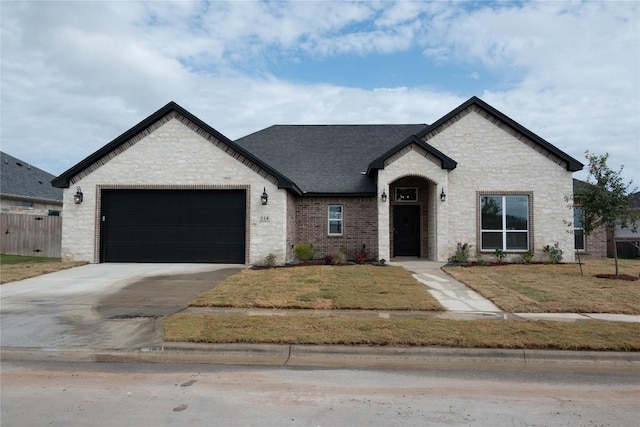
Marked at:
<point>446,162</point>
<point>64,180</point>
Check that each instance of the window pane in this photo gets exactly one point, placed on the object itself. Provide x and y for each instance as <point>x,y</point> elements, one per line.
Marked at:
<point>491,213</point>
<point>335,212</point>
<point>406,194</point>
<point>491,240</point>
<point>517,212</point>
<point>335,227</point>
<point>579,239</point>
<point>577,217</point>
<point>517,241</point>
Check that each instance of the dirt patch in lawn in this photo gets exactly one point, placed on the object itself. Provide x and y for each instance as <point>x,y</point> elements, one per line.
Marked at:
<point>559,288</point>
<point>358,287</point>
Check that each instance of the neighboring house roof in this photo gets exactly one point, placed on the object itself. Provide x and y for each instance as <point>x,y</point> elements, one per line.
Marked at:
<point>571,164</point>
<point>18,179</point>
<point>327,159</point>
<point>580,186</point>
<point>64,180</point>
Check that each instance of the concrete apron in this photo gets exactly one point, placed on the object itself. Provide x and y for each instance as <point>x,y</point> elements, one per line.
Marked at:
<point>101,305</point>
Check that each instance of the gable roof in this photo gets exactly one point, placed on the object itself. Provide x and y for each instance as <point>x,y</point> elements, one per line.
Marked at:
<point>18,179</point>
<point>102,154</point>
<point>327,159</point>
<point>446,162</point>
<point>553,152</point>
<point>324,159</point>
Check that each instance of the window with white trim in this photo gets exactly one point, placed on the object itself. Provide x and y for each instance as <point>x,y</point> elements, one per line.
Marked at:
<point>504,223</point>
<point>335,218</point>
<point>578,230</point>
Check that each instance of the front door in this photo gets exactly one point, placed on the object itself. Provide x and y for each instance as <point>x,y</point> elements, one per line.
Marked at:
<point>406,230</point>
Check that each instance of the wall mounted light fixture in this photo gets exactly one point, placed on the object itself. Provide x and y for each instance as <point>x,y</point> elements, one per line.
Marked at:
<point>443,196</point>
<point>78,197</point>
<point>265,197</point>
<point>384,196</point>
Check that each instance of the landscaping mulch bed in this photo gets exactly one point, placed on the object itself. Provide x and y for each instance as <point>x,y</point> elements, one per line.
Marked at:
<point>626,277</point>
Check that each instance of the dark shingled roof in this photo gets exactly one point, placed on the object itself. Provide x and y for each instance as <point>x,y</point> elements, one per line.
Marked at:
<point>64,179</point>
<point>327,159</point>
<point>20,179</point>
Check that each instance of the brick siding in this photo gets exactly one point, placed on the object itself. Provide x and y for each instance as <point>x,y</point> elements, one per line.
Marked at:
<point>360,225</point>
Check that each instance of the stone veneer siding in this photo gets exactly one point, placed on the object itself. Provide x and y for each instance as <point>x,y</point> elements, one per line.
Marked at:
<point>174,153</point>
<point>491,158</point>
<point>360,225</point>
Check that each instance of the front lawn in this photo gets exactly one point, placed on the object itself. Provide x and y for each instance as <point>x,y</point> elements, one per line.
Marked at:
<point>364,287</point>
<point>582,335</point>
<point>392,288</point>
<point>16,267</point>
<point>556,288</point>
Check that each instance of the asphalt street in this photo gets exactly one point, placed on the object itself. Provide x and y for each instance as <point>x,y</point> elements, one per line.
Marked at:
<point>97,394</point>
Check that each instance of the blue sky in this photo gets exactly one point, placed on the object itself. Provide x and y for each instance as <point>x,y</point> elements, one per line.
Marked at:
<point>75,75</point>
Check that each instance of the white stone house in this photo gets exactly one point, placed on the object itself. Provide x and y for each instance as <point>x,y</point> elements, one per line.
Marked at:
<point>173,189</point>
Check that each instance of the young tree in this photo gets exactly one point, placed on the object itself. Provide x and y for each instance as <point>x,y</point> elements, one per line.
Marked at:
<point>605,201</point>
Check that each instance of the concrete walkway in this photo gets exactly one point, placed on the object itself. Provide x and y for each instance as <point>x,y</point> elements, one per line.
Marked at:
<point>462,302</point>
<point>453,295</point>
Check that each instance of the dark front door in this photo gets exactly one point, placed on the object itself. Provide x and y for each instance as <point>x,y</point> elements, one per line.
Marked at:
<point>406,231</point>
<point>173,226</point>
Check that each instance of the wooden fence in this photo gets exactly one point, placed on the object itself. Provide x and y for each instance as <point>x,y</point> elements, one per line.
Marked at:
<point>31,235</point>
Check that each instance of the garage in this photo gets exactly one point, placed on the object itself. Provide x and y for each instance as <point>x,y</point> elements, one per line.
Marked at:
<point>200,226</point>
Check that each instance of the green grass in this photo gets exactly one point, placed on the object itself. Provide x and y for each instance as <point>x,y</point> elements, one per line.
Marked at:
<point>18,259</point>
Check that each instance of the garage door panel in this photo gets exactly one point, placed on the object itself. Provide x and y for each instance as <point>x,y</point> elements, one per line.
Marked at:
<point>174,226</point>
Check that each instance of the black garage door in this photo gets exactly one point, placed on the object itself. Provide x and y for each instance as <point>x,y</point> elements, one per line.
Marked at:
<point>173,226</point>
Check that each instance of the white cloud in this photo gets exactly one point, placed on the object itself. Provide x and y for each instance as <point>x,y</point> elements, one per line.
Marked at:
<point>77,74</point>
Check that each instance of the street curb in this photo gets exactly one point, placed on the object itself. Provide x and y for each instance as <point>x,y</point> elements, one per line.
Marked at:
<point>325,356</point>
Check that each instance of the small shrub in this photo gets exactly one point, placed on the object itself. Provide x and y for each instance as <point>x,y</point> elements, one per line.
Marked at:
<point>382,262</point>
<point>270,260</point>
<point>360,258</point>
<point>499,254</point>
<point>339,256</point>
<point>480,260</point>
<point>328,259</point>
<point>553,253</point>
<point>461,255</point>
<point>526,257</point>
<point>304,251</point>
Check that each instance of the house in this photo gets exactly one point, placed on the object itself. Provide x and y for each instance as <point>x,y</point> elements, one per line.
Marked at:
<point>599,243</point>
<point>29,210</point>
<point>173,189</point>
<point>26,189</point>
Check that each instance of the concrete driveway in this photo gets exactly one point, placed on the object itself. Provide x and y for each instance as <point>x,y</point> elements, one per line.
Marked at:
<point>101,305</point>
